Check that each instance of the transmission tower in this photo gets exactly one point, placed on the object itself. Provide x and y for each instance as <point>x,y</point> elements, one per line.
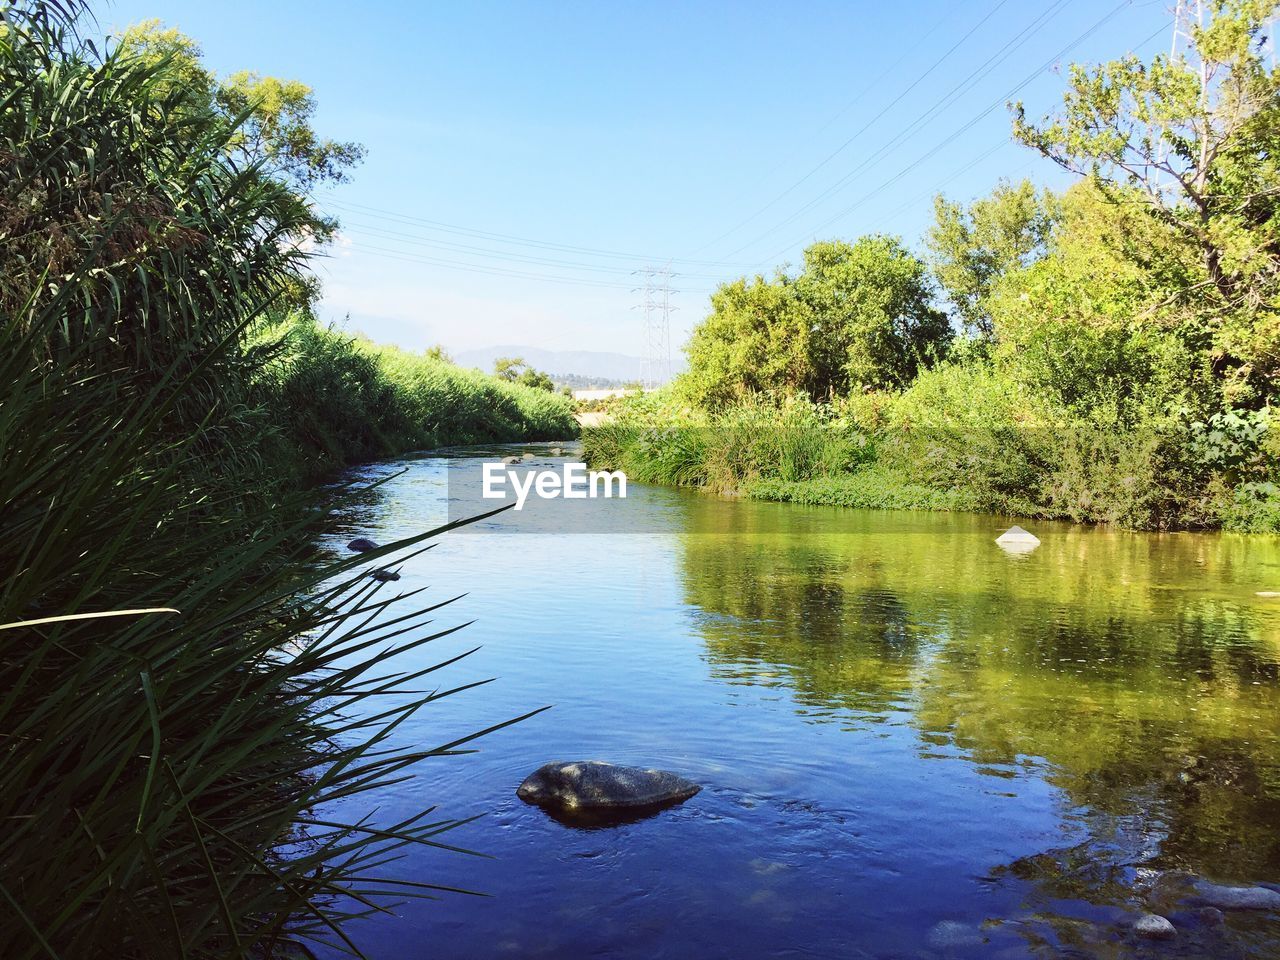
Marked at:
<point>655,304</point>
<point>1187,15</point>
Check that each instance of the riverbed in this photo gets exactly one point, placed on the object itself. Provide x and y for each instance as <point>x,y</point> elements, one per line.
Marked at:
<point>911,742</point>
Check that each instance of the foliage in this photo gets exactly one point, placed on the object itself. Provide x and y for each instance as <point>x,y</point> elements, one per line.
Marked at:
<point>1194,140</point>
<point>1121,360</point>
<point>516,370</point>
<point>873,487</point>
<point>270,121</point>
<point>857,316</point>
<point>272,116</point>
<point>1087,325</point>
<point>971,249</point>
<point>791,439</point>
<point>189,686</point>
<point>335,400</point>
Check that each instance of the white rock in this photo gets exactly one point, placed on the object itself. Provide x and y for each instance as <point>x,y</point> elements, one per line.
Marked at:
<point>1017,540</point>
<point>1154,927</point>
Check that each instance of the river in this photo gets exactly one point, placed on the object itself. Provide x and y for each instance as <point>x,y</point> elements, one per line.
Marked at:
<point>912,743</point>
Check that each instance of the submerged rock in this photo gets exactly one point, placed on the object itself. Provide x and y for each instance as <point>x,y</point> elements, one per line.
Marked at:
<point>1152,926</point>
<point>593,786</point>
<point>362,545</point>
<point>384,576</point>
<point>1237,898</point>
<point>557,451</point>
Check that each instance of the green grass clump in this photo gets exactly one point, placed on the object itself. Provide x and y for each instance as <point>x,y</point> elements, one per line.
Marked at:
<point>654,441</point>
<point>872,488</point>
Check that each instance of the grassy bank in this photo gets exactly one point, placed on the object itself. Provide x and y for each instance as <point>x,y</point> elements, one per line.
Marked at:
<point>960,438</point>
<point>189,686</point>
<point>334,400</point>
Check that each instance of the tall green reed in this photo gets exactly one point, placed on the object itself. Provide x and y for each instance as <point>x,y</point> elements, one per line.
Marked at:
<point>186,685</point>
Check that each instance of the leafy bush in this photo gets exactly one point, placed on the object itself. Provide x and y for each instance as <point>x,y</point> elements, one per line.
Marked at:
<point>791,440</point>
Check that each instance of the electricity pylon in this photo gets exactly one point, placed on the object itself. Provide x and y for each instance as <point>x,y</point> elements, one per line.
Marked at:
<point>655,364</point>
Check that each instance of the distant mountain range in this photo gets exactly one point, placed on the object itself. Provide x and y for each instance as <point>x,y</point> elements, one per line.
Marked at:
<point>607,369</point>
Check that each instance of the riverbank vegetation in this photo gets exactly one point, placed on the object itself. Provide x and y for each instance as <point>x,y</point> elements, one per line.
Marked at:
<point>187,683</point>
<point>1110,352</point>
<point>334,400</point>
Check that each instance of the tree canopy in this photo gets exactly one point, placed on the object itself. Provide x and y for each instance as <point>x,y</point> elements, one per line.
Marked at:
<point>1193,140</point>
<point>857,316</point>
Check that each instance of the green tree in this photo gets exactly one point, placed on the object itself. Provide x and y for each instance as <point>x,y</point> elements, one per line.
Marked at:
<point>873,303</point>
<point>508,368</point>
<point>1196,140</point>
<point>1088,323</point>
<point>971,249</point>
<point>272,120</point>
<point>756,339</point>
<point>276,132</point>
<point>517,370</point>
<point>858,316</point>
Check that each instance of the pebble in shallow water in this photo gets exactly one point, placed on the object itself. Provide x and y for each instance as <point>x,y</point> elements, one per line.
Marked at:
<point>1152,926</point>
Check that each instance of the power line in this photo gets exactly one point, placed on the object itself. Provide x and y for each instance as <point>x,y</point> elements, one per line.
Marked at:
<point>974,77</point>
<point>417,240</point>
<point>967,126</point>
<point>395,254</point>
<point>442,227</point>
<point>839,113</point>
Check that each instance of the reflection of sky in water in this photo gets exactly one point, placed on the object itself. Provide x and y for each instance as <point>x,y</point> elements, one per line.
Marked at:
<point>912,744</point>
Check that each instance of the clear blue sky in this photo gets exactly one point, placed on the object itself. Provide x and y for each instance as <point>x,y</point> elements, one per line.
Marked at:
<point>651,130</point>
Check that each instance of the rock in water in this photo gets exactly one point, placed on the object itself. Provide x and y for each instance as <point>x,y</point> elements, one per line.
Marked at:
<point>362,545</point>
<point>1154,927</point>
<point>1017,540</point>
<point>1237,898</point>
<point>593,786</point>
<point>385,576</point>
<point>510,460</point>
<point>1018,535</point>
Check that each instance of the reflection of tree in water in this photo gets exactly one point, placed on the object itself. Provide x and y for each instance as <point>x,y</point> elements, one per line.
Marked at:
<point>1120,666</point>
<point>782,613</point>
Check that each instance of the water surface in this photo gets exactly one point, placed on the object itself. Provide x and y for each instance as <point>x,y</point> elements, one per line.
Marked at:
<point>912,743</point>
